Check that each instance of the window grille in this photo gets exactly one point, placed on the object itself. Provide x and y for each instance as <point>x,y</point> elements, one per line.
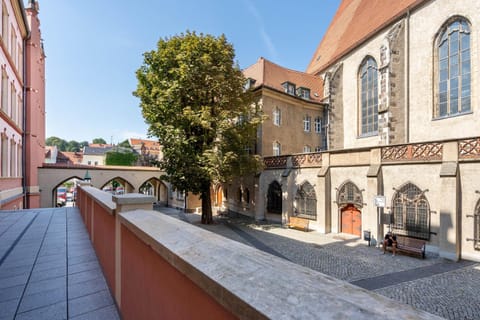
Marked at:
<point>306,202</point>
<point>274,198</point>
<point>411,212</point>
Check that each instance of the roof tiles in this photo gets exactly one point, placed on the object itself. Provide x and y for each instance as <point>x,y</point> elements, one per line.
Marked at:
<point>269,74</point>
<point>354,22</point>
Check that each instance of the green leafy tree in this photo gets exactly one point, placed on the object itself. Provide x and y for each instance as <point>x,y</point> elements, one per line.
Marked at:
<point>125,144</point>
<point>114,158</point>
<point>192,96</point>
<point>58,142</point>
<point>83,144</point>
<point>99,141</point>
<point>73,146</point>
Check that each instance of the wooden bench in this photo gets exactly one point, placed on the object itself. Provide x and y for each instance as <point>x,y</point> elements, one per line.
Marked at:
<point>298,223</point>
<point>411,246</point>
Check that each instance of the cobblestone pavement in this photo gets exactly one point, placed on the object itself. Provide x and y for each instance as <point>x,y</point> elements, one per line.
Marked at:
<point>448,289</point>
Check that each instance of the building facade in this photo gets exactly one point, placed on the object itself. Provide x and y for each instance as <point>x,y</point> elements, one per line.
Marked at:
<point>22,115</point>
<point>401,87</point>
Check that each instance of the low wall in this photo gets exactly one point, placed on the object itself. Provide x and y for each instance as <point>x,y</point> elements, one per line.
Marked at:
<point>165,268</point>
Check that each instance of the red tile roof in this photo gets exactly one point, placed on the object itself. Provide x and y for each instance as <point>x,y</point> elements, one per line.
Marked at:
<point>269,74</point>
<point>354,22</point>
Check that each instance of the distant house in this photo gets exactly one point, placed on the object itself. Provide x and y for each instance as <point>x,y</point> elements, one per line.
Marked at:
<point>148,150</point>
<point>95,156</point>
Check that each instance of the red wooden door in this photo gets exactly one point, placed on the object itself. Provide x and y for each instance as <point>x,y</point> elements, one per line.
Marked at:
<point>351,221</point>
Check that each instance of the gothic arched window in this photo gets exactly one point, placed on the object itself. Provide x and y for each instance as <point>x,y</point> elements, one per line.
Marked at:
<point>368,79</point>
<point>349,194</point>
<point>306,202</point>
<point>453,68</point>
<point>274,198</point>
<point>411,212</point>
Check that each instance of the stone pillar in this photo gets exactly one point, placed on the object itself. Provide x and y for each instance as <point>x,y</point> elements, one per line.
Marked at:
<point>288,185</point>
<point>450,212</point>
<point>124,203</point>
<point>323,194</point>
<point>260,193</point>
<point>371,214</point>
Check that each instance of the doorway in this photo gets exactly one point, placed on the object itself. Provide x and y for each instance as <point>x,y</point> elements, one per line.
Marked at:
<point>351,220</point>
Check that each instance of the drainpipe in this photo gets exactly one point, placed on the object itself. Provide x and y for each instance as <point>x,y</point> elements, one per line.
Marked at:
<point>407,78</point>
<point>26,202</point>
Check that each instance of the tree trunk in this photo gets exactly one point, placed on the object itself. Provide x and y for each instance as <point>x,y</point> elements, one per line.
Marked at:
<point>207,217</point>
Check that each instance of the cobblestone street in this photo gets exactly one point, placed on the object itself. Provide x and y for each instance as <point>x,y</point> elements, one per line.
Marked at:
<point>435,285</point>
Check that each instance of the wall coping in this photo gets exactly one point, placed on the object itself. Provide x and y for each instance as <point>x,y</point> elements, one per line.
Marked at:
<point>102,197</point>
<point>253,284</point>
<point>132,198</point>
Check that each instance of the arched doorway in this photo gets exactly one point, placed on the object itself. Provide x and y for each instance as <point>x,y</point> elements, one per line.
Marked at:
<point>350,203</point>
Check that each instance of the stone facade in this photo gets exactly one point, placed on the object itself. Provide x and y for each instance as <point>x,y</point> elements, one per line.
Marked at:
<point>423,166</point>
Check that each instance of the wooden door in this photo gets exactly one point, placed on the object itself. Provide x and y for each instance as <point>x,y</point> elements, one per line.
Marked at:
<point>351,220</point>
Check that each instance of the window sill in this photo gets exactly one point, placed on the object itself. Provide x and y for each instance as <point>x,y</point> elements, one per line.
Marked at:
<point>453,115</point>
<point>368,135</point>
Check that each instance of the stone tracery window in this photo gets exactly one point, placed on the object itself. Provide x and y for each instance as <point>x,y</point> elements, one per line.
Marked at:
<point>349,194</point>
<point>411,212</point>
<point>306,202</point>
<point>453,69</point>
<point>368,84</point>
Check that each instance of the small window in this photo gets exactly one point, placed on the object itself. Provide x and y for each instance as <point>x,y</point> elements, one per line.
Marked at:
<point>318,125</point>
<point>303,93</point>
<point>250,83</point>
<point>289,88</point>
<point>277,149</point>
<point>318,149</point>
<point>306,123</point>
<point>307,149</point>
<point>277,116</point>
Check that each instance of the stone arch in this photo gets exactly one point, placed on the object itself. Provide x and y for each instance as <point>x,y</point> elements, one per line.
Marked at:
<point>411,212</point>
<point>156,188</point>
<point>274,197</point>
<point>476,227</point>
<point>55,189</point>
<point>349,193</point>
<point>129,188</point>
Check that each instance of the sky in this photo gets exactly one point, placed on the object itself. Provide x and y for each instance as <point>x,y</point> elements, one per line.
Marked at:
<point>94,48</point>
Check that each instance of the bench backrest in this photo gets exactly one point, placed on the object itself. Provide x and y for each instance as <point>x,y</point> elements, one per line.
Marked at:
<point>410,242</point>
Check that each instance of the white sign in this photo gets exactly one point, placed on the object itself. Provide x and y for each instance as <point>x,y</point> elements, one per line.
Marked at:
<point>379,201</point>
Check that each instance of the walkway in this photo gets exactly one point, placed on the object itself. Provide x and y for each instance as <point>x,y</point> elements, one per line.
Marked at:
<point>48,268</point>
<point>435,285</point>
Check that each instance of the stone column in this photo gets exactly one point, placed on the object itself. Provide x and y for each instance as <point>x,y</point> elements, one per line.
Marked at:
<point>259,192</point>
<point>371,214</point>
<point>323,194</point>
<point>450,212</point>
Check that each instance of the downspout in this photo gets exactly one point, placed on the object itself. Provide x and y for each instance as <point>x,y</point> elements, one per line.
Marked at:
<point>24,107</point>
<point>407,79</point>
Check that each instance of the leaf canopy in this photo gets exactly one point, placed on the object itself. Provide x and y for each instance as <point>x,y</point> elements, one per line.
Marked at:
<point>193,99</point>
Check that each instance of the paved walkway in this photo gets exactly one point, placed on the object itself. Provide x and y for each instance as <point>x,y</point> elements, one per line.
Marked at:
<point>448,289</point>
<point>48,268</point>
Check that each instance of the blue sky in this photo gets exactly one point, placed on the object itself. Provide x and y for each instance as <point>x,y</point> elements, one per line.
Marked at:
<point>94,47</point>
